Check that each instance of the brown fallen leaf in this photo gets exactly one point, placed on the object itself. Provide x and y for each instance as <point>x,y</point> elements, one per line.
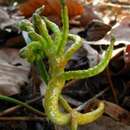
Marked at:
<point>14,72</point>
<point>52,7</point>
<point>88,15</point>
<point>121,31</point>
<point>4,2</point>
<point>95,30</point>
<point>120,64</point>
<point>116,112</point>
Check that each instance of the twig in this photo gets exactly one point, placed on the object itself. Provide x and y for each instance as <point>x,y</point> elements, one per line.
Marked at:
<point>81,107</point>
<point>13,100</point>
<point>111,85</point>
<point>72,101</point>
<point>22,118</point>
<point>121,3</point>
<point>114,5</point>
<point>14,108</point>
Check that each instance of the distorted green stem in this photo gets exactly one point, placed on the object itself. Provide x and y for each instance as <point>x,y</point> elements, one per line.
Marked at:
<point>77,44</point>
<point>65,31</point>
<point>25,25</point>
<point>74,123</point>
<point>65,104</point>
<point>54,49</point>
<point>44,74</point>
<point>40,28</point>
<point>80,74</point>
<point>55,29</point>
<point>36,37</point>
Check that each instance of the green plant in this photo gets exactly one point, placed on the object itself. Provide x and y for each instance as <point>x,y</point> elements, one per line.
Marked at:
<point>39,45</point>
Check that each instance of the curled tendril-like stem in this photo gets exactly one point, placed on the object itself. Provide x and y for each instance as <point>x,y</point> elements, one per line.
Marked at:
<point>53,47</point>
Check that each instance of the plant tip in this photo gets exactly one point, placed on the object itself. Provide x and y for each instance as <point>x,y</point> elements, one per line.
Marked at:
<point>40,10</point>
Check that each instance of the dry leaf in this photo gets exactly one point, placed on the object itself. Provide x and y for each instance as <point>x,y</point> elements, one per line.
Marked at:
<point>95,30</point>
<point>121,31</point>
<point>4,2</point>
<point>14,72</point>
<point>88,15</point>
<point>52,7</point>
<point>117,112</point>
<point>5,19</point>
